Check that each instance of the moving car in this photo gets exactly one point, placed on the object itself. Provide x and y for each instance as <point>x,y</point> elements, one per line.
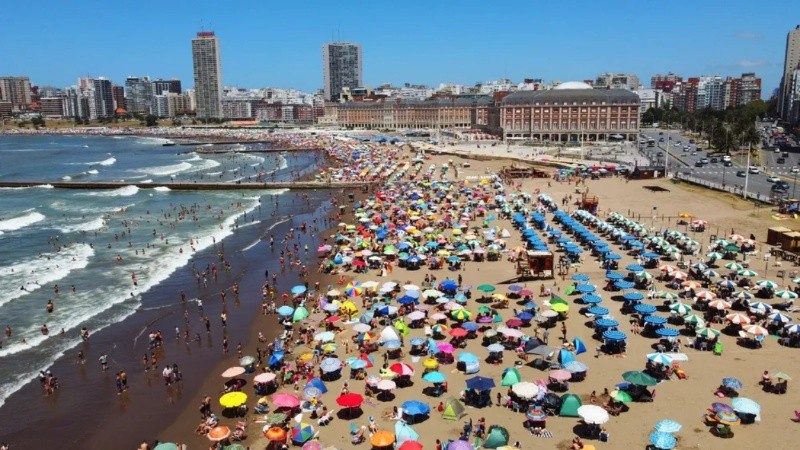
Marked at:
<point>740,173</point>
<point>704,160</point>
<point>780,160</point>
<point>773,179</point>
<point>753,169</point>
<point>726,158</point>
<point>795,169</point>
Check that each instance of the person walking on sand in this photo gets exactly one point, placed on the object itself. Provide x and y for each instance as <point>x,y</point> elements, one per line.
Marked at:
<point>103,362</point>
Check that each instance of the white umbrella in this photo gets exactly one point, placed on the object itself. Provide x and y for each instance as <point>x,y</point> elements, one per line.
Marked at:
<point>416,315</point>
<point>525,390</point>
<point>361,327</point>
<point>369,284</point>
<point>386,385</point>
<point>510,332</point>
<point>593,414</point>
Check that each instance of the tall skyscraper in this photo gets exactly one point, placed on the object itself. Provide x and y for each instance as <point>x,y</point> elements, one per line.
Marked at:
<point>16,90</point>
<point>207,75</point>
<point>790,62</point>
<point>341,67</point>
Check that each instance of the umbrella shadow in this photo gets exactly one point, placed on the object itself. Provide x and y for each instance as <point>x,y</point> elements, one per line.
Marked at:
<point>385,396</point>
<point>349,413</point>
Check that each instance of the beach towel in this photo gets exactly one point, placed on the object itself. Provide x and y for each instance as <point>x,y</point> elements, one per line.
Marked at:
<point>544,434</point>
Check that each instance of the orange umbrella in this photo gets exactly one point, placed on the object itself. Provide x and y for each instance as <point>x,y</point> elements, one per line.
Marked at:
<point>219,433</point>
<point>275,434</point>
<point>382,438</point>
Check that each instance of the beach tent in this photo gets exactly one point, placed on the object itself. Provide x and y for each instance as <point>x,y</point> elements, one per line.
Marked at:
<point>453,409</point>
<point>497,437</point>
<point>580,347</point>
<point>569,405</point>
<point>319,384</point>
<point>511,376</point>
<point>401,327</point>
<point>403,432</point>
<point>388,334</point>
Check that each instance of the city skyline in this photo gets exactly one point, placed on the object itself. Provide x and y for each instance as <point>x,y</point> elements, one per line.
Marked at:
<point>505,43</point>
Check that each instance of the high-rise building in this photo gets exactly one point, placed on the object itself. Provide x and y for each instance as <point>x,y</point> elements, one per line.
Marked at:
<point>749,89</point>
<point>118,93</point>
<point>138,94</point>
<point>790,62</point>
<point>172,86</point>
<point>341,67</point>
<point>51,107</point>
<point>16,90</point>
<point>207,75</point>
<point>658,81</point>
<point>103,97</point>
<point>617,81</point>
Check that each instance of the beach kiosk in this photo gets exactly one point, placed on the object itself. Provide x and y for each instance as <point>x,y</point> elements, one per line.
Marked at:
<point>535,264</point>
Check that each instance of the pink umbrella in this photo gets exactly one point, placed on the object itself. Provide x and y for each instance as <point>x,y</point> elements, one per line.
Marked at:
<point>264,378</point>
<point>706,295</point>
<point>560,375</point>
<point>438,316</point>
<point>285,400</point>
<point>446,347</point>
<point>525,293</point>
<point>402,369</point>
<point>386,385</point>
<point>233,372</point>
<point>312,445</point>
<point>513,323</point>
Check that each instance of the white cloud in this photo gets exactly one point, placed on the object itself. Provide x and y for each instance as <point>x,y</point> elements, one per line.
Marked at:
<point>750,63</point>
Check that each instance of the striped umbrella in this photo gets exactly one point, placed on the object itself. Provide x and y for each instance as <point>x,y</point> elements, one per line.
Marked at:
<point>708,333</point>
<point>737,318</point>
<point>660,358</point>
<point>662,440</point>
<point>760,307</point>
<point>747,273</point>
<point>719,304</point>
<point>756,330</point>
<point>726,284</point>
<point>767,284</point>
<point>667,295</point>
<point>779,317</point>
<point>792,328</point>
<point>743,295</point>
<point>667,426</point>
<point>354,289</point>
<point>733,265</point>
<point>706,295</point>
<point>785,294</point>
<point>694,319</point>
<point>680,308</point>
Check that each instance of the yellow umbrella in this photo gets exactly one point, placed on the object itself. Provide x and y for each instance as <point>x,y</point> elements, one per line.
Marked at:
<point>456,232</point>
<point>430,363</point>
<point>499,296</point>
<point>349,306</point>
<point>306,357</point>
<point>559,307</point>
<point>233,399</point>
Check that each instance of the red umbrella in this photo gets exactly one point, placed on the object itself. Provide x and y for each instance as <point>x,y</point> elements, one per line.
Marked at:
<point>332,319</point>
<point>359,263</point>
<point>402,369</point>
<point>514,323</point>
<point>458,332</point>
<point>410,445</point>
<point>525,293</point>
<point>350,400</point>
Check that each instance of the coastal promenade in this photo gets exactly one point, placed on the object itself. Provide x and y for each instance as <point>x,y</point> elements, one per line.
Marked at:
<point>192,186</point>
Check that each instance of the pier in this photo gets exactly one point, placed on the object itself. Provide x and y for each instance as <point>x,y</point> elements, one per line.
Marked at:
<point>204,149</point>
<point>178,186</point>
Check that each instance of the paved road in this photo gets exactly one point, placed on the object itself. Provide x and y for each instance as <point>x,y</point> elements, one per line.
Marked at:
<point>684,161</point>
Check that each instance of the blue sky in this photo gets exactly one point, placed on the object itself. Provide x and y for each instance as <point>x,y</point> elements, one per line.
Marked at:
<point>277,43</point>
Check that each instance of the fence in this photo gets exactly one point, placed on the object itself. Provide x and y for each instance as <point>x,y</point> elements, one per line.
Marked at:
<point>756,197</point>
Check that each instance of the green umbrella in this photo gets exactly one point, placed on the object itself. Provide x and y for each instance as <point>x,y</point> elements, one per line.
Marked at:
<point>715,255</point>
<point>496,437</point>
<point>483,309</point>
<point>668,296</point>
<point>708,333</point>
<point>694,319</point>
<point>621,396</point>
<point>733,265</point>
<point>234,447</point>
<point>276,418</point>
<point>731,248</point>
<point>747,273</point>
<point>511,376</point>
<point>639,378</point>
<point>299,314</point>
<point>486,288</point>
<point>767,284</point>
<point>680,308</point>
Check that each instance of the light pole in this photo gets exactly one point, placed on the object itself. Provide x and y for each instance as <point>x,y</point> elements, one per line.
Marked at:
<point>746,173</point>
<point>666,158</point>
<point>794,186</point>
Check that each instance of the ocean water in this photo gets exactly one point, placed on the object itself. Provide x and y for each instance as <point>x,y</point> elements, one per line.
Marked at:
<point>98,240</point>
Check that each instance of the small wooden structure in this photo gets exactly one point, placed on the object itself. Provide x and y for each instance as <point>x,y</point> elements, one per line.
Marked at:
<point>589,203</point>
<point>646,173</point>
<point>535,264</point>
<point>515,171</point>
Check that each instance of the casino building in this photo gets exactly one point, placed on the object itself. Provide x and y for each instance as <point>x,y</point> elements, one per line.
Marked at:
<point>570,112</point>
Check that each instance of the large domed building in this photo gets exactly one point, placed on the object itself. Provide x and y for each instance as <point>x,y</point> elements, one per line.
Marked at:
<point>572,111</point>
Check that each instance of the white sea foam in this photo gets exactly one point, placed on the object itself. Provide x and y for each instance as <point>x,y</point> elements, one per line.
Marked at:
<point>195,157</point>
<point>34,273</point>
<point>93,172</point>
<point>213,174</point>
<point>66,178</point>
<point>40,186</point>
<point>147,181</point>
<point>204,165</point>
<point>165,170</point>
<point>125,191</point>
<point>108,162</point>
<point>92,225</point>
<point>21,221</point>
<point>161,189</point>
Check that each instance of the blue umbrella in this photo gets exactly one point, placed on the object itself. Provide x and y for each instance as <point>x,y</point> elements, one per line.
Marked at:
<point>660,358</point>
<point>745,405</point>
<point>591,299</point>
<point>732,383</point>
<point>655,320</point>
<point>650,255</point>
<point>524,316</point>
<point>275,358</point>
<point>479,383</point>
<point>330,365</point>
<point>299,289</point>
<point>614,276</point>
<point>621,284</point>
<point>606,323</point>
<point>460,298</point>
<point>644,308</point>
<point>467,358</point>
<point>663,441</point>
<point>415,407</point>
<point>393,344</point>
<point>575,367</point>
<point>585,288</point>
<point>633,296</point>
<point>580,277</point>
<point>634,267</point>
<point>449,285</point>
<point>613,257</point>
<point>319,384</point>
<point>597,310</point>
<point>614,335</point>
<point>470,326</point>
<point>417,341</point>
<point>406,300</point>
<point>668,332</point>
<point>636,244</point>
<point>495,348</point>
<point>413,293</point>
<point>285,310</point>
<point>358,364</point>
<point>434,377</point>
<point>515,288</point>
<point>667,426</point>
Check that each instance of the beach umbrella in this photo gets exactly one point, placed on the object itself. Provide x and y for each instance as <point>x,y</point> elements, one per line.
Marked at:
<point>719,304</point>
<point>496,437</point>
<point>662,440</point>
<point>329,365</point>
<point>597,310</point>
<point>706,295</point>
<point>621,396</point>
<point>266,377</point>
<point>667,426</point>
<point>782,376</point>
<point>756,330</point>
<point>434,377</point>
<point>745,405</point>
<point>467,358</point>
<point>779,317</point>
<point>386,385</point>
<point>325,336</point>
<point>559,307</point>
<point>575,367</point>
<point>311,445</point>
<point>525,390</point>
<point>667,296</point>
<point>300,313</point>
<point>479,383</point>
<point>233,399</point>
<point>285,311</point>
<point>680,308</point>
<point>580,277</point>
<point>614,335</point>
<point>708,333</point>
<point>728,417</point>
<point>381,438</point>
<point>717,407</point>
<point>415,408</point>
<point>747,273</point>
<point>486,288</point>
<point>166,446</point>
<point>274,433</point>
<point>409,445</point>
<point>402,369</point>
<point>660,358</point>
<point>732,383</point>
<point>614,276</point>
<point>591,299</point>
<point>460,445</point>
<point>302,432</point>
<point>726,284</point>
<point>639,378</point>
<point>694,319</point>
<point>446,347</point>
<point>586,288</point>
<point>353,289</point>
<point>737,318</point>
<point>792,328</point>
<point>299,289</point>
<point>362,327</point>
<point>310,392</point>
<point>785,294</point>
<point>644,275</point>
<point>668,332</point>
<point>622,284</point>
<point>232,372</point>
<point>560,375</point>
<point>460,314</point>
<point>593,414</point>
<point>350,400</point>
<point>767,284</point>
<point>733,265</point>
<point>655,320</point>
<point>644,308</point>
<point>219,433</point>
<point>495,348</point>
<point>634,268</point>
<point>285,400</point>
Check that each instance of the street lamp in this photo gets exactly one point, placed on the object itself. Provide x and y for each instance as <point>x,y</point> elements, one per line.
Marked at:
<point>794,186</point>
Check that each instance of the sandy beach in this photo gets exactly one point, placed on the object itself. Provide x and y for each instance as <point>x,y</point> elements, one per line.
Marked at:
<point>683,400</point>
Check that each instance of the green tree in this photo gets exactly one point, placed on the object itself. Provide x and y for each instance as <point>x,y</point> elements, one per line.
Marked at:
<point>151,121</point>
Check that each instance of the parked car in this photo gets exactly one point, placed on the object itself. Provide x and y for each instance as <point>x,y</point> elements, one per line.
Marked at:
<point>741,173</point>
<point>795,169</point>
<point>780,160</point>
<point>773,179</point>
<point>753,169</point>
